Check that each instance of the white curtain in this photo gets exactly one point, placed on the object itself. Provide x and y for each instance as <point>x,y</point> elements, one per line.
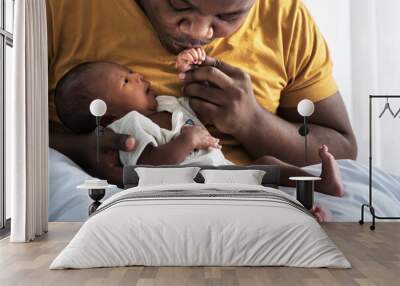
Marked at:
<point>365,42</point>
<point>27,124</point>
<point>376,70</point>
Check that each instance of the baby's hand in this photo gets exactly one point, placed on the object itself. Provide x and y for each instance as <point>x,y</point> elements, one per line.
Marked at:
<point>321,215</point>
<point>187,58</point>
<point>199,137</point>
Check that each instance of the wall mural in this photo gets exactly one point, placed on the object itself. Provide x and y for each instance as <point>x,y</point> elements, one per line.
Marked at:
<point>167,89</point>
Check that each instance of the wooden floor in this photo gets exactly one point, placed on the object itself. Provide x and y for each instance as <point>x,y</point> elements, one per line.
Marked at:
<point>375,257</point>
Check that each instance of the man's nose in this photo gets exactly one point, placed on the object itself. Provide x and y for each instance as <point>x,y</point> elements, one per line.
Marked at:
<point>197,28</point>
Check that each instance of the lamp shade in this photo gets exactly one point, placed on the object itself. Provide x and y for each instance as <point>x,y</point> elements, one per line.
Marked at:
<point>98,107</point>
<point>305,108</point>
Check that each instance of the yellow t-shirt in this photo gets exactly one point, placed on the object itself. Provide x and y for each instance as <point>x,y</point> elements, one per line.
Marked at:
<point>279,45</point>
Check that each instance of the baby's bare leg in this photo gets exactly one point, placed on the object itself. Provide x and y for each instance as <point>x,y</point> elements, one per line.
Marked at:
<point>331,183</point>
<point>320,214</point>
<point>286,170</point>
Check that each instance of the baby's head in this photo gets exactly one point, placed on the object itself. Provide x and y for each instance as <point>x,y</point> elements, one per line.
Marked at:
<point>121,89</point>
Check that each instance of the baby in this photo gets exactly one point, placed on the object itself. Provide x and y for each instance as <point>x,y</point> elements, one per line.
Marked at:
<point>166,129</point>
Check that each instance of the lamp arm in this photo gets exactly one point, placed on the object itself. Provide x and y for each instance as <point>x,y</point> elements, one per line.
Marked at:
<point>305,140</point>
<point>98,134</point>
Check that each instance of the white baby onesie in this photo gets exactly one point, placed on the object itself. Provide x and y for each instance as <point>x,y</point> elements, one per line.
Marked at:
<point>145,132</point>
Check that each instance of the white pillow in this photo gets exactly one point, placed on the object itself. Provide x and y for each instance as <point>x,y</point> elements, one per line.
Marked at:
<point>247,177</point>
<point>163,176</point>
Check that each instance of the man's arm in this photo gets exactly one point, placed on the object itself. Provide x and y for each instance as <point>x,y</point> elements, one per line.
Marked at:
<point>278,135</point>
<point>175,151</point>
<point>229,104</point>
<point>81,148</point>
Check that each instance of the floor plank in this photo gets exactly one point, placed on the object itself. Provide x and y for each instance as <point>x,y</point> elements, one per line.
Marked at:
<point>375,257</point>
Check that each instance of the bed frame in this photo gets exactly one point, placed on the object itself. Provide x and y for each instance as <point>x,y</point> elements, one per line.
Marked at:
<point>270,179</point>
<point>131,178</point>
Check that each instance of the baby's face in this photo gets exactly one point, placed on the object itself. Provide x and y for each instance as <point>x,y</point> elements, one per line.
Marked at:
<point>126,91</point>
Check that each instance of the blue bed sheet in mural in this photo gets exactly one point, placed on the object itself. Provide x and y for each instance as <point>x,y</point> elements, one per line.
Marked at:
<point>66,203</point>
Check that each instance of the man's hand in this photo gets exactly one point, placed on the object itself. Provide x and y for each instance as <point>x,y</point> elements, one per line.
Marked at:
<point>199,137</point>
<point>81,148</point>
<point>109,165</point>
<point>175,151</point>
<point>221,95</point>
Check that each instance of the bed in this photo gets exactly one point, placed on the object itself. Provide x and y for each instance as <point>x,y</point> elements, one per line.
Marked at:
<point>208,224</point>
<point>67,204</point>
<point>201,224</point>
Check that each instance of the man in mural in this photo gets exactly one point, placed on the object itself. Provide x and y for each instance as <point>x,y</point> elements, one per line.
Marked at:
<point>270,56</point>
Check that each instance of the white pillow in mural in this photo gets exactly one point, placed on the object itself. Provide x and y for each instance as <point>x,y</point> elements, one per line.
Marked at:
<point>246,177</point>
<point>162,176</point>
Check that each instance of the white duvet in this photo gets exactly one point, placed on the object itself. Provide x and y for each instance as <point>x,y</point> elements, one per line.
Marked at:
<point>198,225</point>
<point>66,203</point>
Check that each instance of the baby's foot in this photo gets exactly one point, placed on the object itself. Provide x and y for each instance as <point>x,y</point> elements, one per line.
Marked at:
<point>320,214</point>
<point>331,182</point>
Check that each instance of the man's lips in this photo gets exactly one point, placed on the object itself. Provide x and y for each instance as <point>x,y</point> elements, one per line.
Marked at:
<point>187,45</point>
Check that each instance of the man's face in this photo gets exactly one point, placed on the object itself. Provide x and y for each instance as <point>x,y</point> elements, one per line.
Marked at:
<point>182,24</point>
